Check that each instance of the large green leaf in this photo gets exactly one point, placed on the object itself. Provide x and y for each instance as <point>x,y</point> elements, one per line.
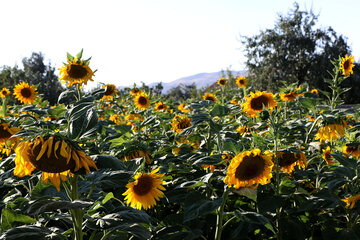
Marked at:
<point>49,205</point>
<point>11,219</point>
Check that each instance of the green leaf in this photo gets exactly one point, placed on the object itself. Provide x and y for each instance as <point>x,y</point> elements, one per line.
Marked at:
<point>79,55</point>
<point>111,162</point>
<point>10,219</point>
<point>231,145</point>
<point>345,161</point>
<point>219,110</point>
<point>48,205</point>
<point>66,94</point>
<point>70,57</point>
<point>30,233</point>
<point>209,160</point>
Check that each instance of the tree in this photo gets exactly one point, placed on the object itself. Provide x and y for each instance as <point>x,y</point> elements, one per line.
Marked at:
<point>294,51</point>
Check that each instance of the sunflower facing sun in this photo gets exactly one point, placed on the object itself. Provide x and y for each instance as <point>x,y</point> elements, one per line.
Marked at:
<point>145,190</point>
<point>241,82</point>
<point>257,101</point>
<point>4,92</point>
<point>161,106</point>
<point>142,101</point>
<point>290,96</point>
<point>55,157</point>
<point>249,169</point>
<point>25,93</point>
<point>110,92</point>
<point>210,97</point>
<point>179,123</point>
<point>222,82</point>
<point>346,65</point>
<point>288,160</point>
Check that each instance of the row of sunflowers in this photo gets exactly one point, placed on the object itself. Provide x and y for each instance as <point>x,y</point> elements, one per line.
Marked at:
<point>231,165</point>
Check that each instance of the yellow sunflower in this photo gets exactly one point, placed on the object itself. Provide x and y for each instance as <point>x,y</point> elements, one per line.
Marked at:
<point>249,169</point>
<point>346,65</point>
<point>76,72</point>
<point>226,157</point>
<point>350,201</point>
<point>116,119</point>
<point>142,101</point>
<point>145,190</point>
<point>25,93</point>
<point>314,91</point>
<point>210,96</point>
<point>4,92</point>
<point>288,160</point>
<point>244,130</point>
<point>135,91</point>
<point>257,101</point>
<point>161,106</point>
<point>137,153</point>
<point>51,155</point>
<point>184,108</point>
<point>110,92</point>
<point>222,81</point>
<point>327,156</point>
<point>352,150</point>
<point>331,131</point>
<point>179,123</point>
<point>290,96</point>
<point>6,132</point>
<point>241,81</point>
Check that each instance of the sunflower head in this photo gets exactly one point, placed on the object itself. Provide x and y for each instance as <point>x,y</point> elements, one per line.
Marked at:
<point>331,131</point>
<point>183,108</point>
<point>314,91</point>
<point>346,65</point>
<point>110,92</point>
<point>327,156</point>
<point>145,190</point>
<point>210,97</point>
<point>257,102</point>
<point>76,71</point>
<point>288,159</point>
<point>135,91</point>
<point>241,81</point>
<point>161,106</point>
<point>351,201</point>
<point>4,92</point>
<point>179,123</point>
<point>290,96</point>
<point>222,81</point>
<point>249,169</point>
<point>25,93</point>
<point>6,132</point>
<point>142,101</point>
<point>352,150</point>
<point>116,119</point>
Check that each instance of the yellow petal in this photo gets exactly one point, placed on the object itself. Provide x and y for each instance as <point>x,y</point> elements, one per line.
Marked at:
<point>77,160</point>
<point>63,151</point>
<point>50,143</point>
<point>42,151</point>
<point>56,146</point>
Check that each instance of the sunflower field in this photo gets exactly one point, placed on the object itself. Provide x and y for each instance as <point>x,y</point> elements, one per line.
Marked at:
<point>237,163</point>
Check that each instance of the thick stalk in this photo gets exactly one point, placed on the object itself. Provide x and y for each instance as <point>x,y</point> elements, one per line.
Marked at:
<point>220,215</point>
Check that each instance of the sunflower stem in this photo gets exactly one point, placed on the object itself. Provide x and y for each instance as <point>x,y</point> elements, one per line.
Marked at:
<point>311,129</point>
<point>76,214</point>
<point>220,215</point>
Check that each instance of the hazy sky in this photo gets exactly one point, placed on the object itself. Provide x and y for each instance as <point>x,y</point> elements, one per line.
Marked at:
<point>153,40</point>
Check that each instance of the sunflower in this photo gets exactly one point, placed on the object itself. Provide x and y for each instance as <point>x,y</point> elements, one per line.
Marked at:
<point>146,188</point>
<point>137,153</point>
<point>179,123</point>
<point>76,72</point>
<point>331,131</point>
<point>226,157</point>
<point>241,82</point>
<point>135,91</point>
<point>116,119</point>
<point>222,81</point>
<point>183,108</point>
<point>346,65</point>
<point>184,143</point>
<point>51,155</point>
<point>210,96</point>
<point>6,132</point>
<point>257,101</point>
<point>142,101</point>
<point>249,169</point>
<point>350,201</point>
<point>290,96</point>
<point>327,156</point>
<point>25,93</point>
<point>110,92</point>
<point>314,91</point>
<point>288,160</point>
<point>352,149</point>
<point>161,106</point>
<point>4,92</point>
<point>244,130</point>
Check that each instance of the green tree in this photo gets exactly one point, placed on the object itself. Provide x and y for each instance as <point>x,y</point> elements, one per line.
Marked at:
<point>294,51</point>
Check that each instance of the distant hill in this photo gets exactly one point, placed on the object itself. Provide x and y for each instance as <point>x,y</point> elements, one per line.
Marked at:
<point>200,80</point>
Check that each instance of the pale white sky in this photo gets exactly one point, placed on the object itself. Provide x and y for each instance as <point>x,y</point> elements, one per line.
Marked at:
<point>153,40</point>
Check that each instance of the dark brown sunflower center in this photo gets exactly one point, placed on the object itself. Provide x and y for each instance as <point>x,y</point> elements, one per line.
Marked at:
<point>210,98</point>
<point>351,149</point>
<point>287,159</point>
<point>183,124</point>
<point>25,92</point>
<point>257,103</point>
<point>346,64</point>
<point>4,134</point>
<point>77,71</point>
<point>161,107</point>
<point>328,156</point>
<point>250,167</point>
<point>53,163</point>
<point>222,82</point>
<point>144,185</point>
<point>109,91</point>
<point>142,101</point>
<point>4,92</point>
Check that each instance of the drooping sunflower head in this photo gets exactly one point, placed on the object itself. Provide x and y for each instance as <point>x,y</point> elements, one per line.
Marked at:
<point>179,123</point>
<point>76,71</point>
<point>110,92</point>
<point>210,97</point>
<point>257,101</point>
<point>6,132</point>
<point>352,150</point>
<point>222,81</point>
<point>161,106</point>
<point>290,96</point>
<point>351,201</point>
<point>4,92</point>
<point>289,159</point>
<point>327,156</point>
<point>331,131</point>
<point>25,93</point>
<point>135,91</point>
<point>346,65</point>
<point>53,156</point>
<point>145,190</point>
<point>249,169</point>
<point>241,81</point>
<point>142,101</point>
<point>183,108</point>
